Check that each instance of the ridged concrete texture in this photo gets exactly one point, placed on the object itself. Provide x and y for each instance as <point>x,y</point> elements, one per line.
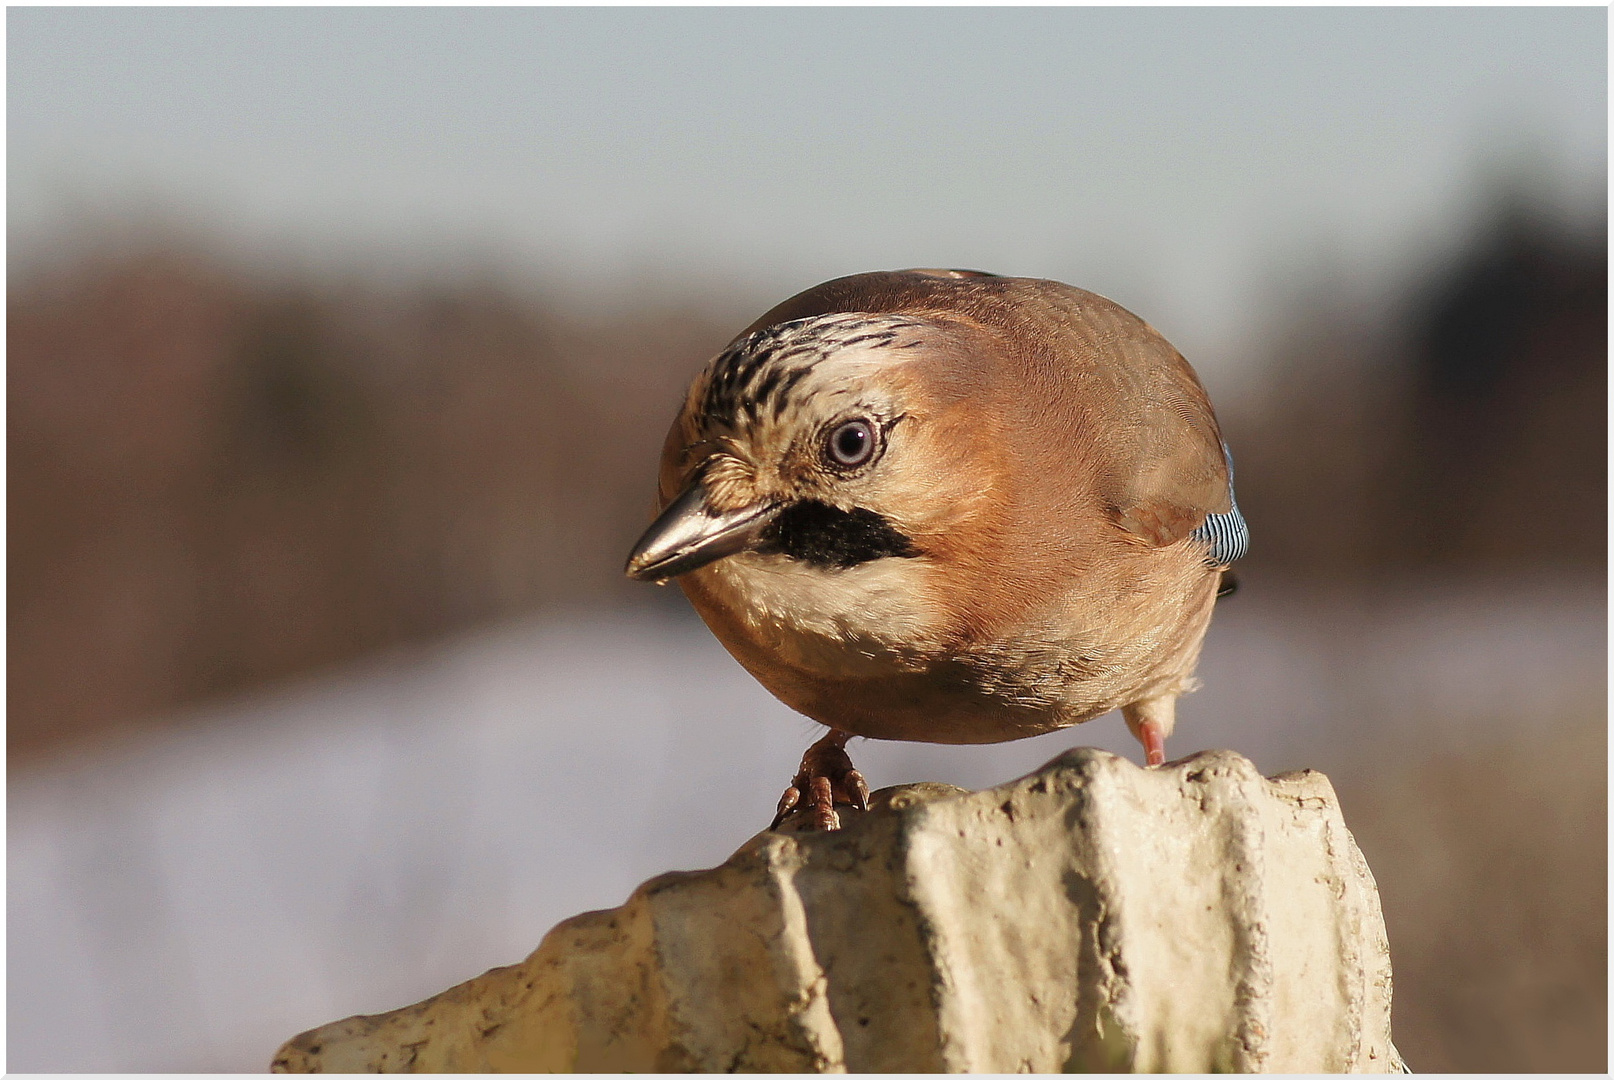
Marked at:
<point>1091,916</point>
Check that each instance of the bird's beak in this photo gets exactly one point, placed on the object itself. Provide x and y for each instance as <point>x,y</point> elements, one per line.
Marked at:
<point>689,534</point>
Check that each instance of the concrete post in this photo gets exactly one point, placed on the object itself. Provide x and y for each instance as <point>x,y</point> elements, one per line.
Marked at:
<point>1091,916</point>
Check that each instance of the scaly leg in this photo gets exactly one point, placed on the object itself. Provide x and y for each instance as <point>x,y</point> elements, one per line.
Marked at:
<point>827,777</point>
<point>1151,721</point>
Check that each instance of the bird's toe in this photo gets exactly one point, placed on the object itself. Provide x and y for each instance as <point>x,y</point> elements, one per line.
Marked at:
<point>826,779</point>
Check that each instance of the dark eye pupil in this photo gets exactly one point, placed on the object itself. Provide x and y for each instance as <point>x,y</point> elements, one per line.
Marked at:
<point>851,442</point>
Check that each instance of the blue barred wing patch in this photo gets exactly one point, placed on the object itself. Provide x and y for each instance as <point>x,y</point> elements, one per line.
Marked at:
<point>1226,534</point>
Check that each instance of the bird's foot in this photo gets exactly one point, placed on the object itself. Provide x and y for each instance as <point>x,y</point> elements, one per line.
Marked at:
<point>826,778</point>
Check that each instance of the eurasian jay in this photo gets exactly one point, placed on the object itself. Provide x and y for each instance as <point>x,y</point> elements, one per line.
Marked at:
<point>948,506</point>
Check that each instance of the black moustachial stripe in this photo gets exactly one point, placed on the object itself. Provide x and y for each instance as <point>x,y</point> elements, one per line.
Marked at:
<point>820,534</point>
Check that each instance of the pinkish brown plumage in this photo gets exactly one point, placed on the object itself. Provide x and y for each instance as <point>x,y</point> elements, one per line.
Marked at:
<point>945,506</point>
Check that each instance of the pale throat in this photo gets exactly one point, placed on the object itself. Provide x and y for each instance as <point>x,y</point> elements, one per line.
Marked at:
<point>835,622</point>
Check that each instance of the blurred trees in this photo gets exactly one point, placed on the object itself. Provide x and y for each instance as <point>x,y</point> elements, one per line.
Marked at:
<point>217,479</point>
<point>1461,430</point>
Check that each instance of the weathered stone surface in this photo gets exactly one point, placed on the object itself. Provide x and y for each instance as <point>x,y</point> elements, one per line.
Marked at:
<point>1091,916</point>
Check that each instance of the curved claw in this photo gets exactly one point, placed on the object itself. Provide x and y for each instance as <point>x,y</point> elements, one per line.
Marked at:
<point>826,778</point>
<point>787,803</point>
<point>859,790</point>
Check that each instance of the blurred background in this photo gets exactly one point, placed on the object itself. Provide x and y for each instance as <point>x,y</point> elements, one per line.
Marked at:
<point>342,343</point>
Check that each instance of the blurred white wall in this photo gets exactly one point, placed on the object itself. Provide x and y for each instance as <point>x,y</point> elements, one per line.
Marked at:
<point>189,899</point>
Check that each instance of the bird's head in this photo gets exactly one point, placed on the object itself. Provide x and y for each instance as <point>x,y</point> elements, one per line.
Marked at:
<point>814,439</point>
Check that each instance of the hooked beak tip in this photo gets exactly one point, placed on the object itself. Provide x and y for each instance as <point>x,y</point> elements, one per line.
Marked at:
<point>640,568</point>
<point>688,536</point>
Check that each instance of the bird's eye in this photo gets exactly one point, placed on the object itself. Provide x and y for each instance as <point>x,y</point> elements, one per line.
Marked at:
<point>851,443</point>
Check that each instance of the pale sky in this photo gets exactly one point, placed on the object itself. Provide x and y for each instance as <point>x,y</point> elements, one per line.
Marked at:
<point>1189,162</point>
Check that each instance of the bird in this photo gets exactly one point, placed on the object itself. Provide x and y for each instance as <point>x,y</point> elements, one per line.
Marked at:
<point>948,506</point>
